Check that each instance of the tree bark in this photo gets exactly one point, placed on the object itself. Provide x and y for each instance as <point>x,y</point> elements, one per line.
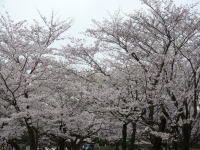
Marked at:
<point>186,132</point>
<point>32,131</point>
<point>124,136</point>
<point>75,147</point>
<point>174,145</point>
<point>61,144</point>
<point>14,144</point>
<point>117,145</point>
<point>133,134</point>
<point>33,138</point>
<point>157,141</point>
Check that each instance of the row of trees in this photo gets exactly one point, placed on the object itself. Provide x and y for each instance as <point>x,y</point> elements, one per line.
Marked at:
<point>139,81</point>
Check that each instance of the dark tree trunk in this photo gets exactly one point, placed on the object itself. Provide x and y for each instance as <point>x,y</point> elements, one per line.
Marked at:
<point>117,145</point>
<point>75,147</point>
<point>124,136</point>
<point>157,141</point>
<point>61,144</point>
<point>14,144</point>
<point>175,145</point>
<point>133,134</point>
<point>33,138</point>
<point>32,131</point>
<point>186,132</point>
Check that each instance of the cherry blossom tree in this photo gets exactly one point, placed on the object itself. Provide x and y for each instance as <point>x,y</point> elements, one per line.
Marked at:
<point>140,77</point>
<point>25,63</point>
<point>164,44</point>
<point>117,96</point>
<point>70,119</point>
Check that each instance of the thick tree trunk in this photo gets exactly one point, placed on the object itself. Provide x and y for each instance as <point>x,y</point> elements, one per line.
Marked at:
<point>75,147</point>
<point>186,131</point>
<point>133,134</point>
<point>117,145</point>
<point>174,145</point>
<point>61,144</point>
<point>32,131</point>
<point>124,136</point>
<point>14,144</point>
<point>33,138</point>
<point>157,141</point>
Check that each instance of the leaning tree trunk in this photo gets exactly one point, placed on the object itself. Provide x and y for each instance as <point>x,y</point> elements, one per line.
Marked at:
<point>133,134</point>
<point>186,132</point>
<point>124,136</point>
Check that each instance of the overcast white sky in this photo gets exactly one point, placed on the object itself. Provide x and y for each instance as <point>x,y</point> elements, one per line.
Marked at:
<point>81,11</point>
